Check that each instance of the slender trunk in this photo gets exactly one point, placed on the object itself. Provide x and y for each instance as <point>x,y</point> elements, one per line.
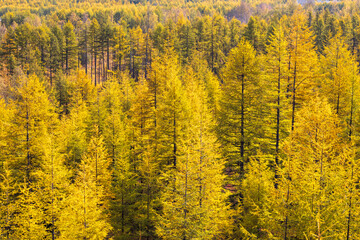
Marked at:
<point>242,141</point>
<point>95,68</point>
<point>119,63</point>
<point>148,209</point>
<point>212,46</point>
<point>96,170</point>
<point>287,216</point>
<point>86,53</point>
<point>185,195</point>
<point>28,147</point>
<point>174,139</point>
<point>287,201</point>
<point>84,200</point>
<point>277,123</point>
<point>133,64</point>
<point>67,60</point>
<point>338,90</point>
<point>108,57</point>
<point>7,203</point>
<point>294,87</point>
<point>288,88</point>
<point>350,205</point>
<point>103,66</point>
<point>351,112</point>
<point>91,66</point>
<point>122,208</point>
<point>52,200</point>
<point>50,67</point>
<point>200,166</point>
<point>293,100</point>
<point>146,54</point>
<point>155,117</point>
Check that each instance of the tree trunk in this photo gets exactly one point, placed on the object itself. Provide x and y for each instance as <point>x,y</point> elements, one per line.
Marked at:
<point>242,134</point>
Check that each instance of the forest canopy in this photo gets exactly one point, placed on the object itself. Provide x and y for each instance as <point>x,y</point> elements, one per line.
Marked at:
<point>179,119</point>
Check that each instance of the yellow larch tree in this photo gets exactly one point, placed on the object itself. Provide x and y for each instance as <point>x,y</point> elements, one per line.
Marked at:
<point>8,185</point>
<point>277,83</point>
<point>312,184</point>
<point>85,210</point>
<point>303,64</point>
<point>337,85</point>
<point>194,199</point>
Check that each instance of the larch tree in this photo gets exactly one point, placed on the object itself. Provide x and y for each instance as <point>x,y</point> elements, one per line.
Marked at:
<point>29,222</point>
<point>277,75</point>
<point>238,117</point>
<point>34,119</point>
<point>94,48</point>
<point>8,50</point>
<point>148,169</point>
<point>116,100</point>
<point>70,47</point>
<point>259,205</point>
<point>339,84</point>
<point>77,124</point>
<point>121,46</point>
<point>8,185</point>
<point>193,200</point>
<point>303,64</point>
<point>168,99</point>
<point>314,174</point>
<point>136,45</point>
<point>84,215</point>
<point>54,184</point>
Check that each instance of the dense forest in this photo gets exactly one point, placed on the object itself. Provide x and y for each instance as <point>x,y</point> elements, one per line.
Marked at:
<point>179,119</point>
